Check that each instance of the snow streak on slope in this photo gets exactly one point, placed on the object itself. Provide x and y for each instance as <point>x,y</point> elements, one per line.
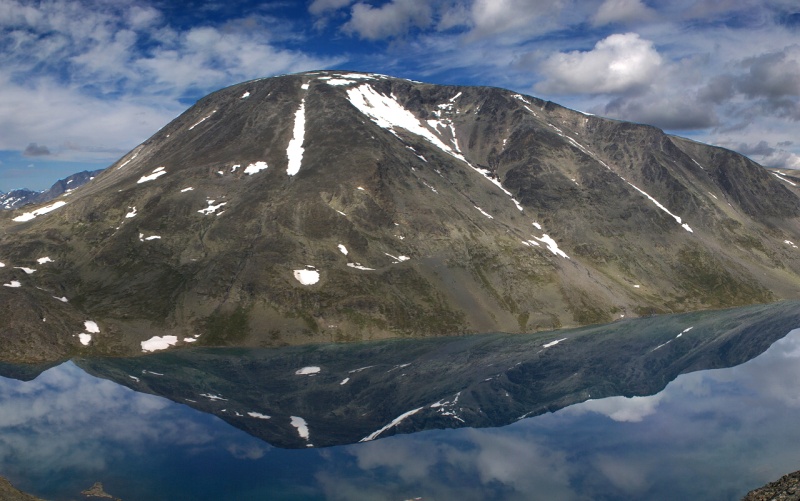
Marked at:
<point>780,176</point>
<point>202,120</point>
<point>388,113</point>
<point>395,422</point>
<point>157,172</point>
<point>295,149</point>
<point>575,143</point>
<point>38,212</point>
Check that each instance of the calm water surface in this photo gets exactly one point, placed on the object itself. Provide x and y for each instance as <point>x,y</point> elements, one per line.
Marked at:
<point>712,434</point>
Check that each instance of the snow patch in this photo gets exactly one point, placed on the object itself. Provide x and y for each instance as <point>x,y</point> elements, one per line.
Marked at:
<point>258,415</point>
<point>43,260</point>
<point>255,167</point>
<point>484,212</point>
<point>91,326</point>
<point>308,371</point>
<point>211,208</point>
<point>295,149</point>
<point>157,172</point>
<point>187,189</point>
<point>780,176</point>
<point>789,242</point>
<point>344,381</point>
<point>202,120</point>
<point>343,249</point>
<point>306,276</point>
<point>126,162</point>
<point>552,246</point>
<point>85,339</point>
<point>245,95</point>
<point>28,271</point>
<point>63,299</point>
<point>389,114</point>
<point>553,343</point>
<point>358,266</point>
<point>13,284</point>
<point>132,213</point>
<point>395,422</point>
<point>159,343</point>
<point>38,212</point>
<point>213,397</point>
<point>301,425</point>
<point>398,259</point>
<point>338,81</point>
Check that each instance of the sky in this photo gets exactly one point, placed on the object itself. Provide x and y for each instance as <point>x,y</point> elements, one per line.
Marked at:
<point>82,82</point>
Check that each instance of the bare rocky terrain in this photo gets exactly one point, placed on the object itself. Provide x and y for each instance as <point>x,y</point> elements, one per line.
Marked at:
<point>336,207</point>
<point>786,488</point>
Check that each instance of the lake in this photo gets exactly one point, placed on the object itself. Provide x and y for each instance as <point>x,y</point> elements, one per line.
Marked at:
<point>695,406</point>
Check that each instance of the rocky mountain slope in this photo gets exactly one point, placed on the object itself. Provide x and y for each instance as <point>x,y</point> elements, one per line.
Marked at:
<point>332,206</point>
<point>15,199</point>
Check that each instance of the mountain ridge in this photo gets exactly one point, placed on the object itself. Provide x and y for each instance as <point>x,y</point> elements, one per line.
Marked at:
<point>339,206</point>
<point>17,198</point>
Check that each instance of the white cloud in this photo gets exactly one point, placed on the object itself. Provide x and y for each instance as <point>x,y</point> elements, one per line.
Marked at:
<point>772,75</point>
<point>92,80</point>
<point>319,7</point>
<point>389,20</point>
<point>622,409</point>
<point>81,127</point>
<point>619,63</point>
<point>511,17</point>
<point>622,11</point>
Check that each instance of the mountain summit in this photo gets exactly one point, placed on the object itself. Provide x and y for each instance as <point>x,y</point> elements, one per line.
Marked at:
<point>336,206</point>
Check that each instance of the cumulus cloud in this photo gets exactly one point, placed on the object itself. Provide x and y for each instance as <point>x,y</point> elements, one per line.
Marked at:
<point>509,464</point>
<point>770,156</point>
<point>507,17</point>
<point>389,20</point>
<point>103,76</point>
<point>668,111</point>
<point>622,11</point>
<point>319,7</point>
<point>619,63</point>
<point>772,75</point>
<point>34,150</point>
<point>622,409</point>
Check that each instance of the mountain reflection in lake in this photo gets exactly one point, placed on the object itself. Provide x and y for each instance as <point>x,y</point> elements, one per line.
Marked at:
<point>711,434</point>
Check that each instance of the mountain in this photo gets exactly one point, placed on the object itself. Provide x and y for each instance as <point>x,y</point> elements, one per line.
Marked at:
<point>333,206</point>
<point>18,198</point>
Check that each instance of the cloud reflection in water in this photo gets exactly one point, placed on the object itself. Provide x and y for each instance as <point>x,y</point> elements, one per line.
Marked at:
<point>709,435</point>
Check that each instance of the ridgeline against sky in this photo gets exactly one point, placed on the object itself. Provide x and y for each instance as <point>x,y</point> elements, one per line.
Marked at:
<point>84,81</point>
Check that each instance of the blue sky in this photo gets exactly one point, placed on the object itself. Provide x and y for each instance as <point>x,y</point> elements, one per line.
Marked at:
<point>84,81</point>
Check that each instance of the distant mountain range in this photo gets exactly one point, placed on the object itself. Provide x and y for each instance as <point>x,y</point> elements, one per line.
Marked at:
<point>333,206</point>
<point>15,199</point>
